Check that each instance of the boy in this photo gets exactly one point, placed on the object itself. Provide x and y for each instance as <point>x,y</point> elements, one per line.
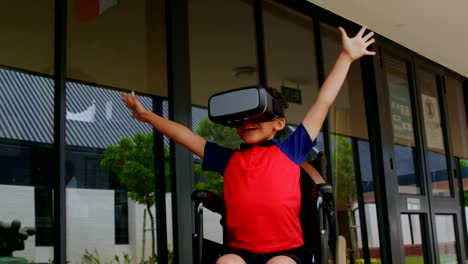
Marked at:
<point>261,180</point>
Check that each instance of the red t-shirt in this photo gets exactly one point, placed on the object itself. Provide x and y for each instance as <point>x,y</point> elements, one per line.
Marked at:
<point>262,192</point>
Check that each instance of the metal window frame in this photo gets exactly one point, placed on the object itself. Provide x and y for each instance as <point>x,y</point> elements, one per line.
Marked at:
<point>60,48</point>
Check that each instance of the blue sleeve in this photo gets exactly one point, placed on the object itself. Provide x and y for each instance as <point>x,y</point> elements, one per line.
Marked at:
<point>298,145</point>
<point>216,157</point>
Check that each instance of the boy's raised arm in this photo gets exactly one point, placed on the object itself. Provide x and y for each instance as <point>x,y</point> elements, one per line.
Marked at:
<point>352,49</point>
<point>171,129</point>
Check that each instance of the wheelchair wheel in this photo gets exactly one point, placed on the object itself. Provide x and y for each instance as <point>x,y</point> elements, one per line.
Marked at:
<point>340,250</point>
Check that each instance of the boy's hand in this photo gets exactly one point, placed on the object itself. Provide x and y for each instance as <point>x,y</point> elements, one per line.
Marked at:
<point>356,47</point>
<point>132,102</point>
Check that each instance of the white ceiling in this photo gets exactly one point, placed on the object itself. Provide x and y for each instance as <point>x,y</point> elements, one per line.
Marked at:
<point>433,28</point>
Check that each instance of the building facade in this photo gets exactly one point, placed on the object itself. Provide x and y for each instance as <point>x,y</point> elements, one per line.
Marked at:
<point>396,138</point>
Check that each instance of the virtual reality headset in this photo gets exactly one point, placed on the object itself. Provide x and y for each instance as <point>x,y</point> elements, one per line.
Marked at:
<point>239,106</point>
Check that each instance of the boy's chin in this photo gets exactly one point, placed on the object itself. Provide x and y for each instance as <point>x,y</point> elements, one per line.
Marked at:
<point>253,140</point>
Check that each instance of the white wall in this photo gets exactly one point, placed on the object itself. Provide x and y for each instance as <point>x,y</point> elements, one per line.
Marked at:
<point>90,224</point>
<point>17,202</point>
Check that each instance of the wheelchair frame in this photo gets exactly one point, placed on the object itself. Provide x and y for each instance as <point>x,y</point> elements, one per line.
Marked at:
<point>318,212</point>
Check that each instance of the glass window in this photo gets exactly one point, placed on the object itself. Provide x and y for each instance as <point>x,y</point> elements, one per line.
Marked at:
<point>110,160</point>
<point>463,163</point>
<point>458,124</point>
<point>44,216</point>
<point>351,162</point>
<point>457,116</point>
<point>412,231</point>
<point>121,217</point>
<point>27,28</point>
<point>222,57</point>
<point>290,58</point>
<point>26,126</point>
<point>370,208</point>
<point>432,122</point>
<point>408,177</point>
<point>446,239</point>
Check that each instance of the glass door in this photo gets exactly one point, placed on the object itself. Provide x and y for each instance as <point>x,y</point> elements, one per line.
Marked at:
<point>427,203</point>
<point>439,170</point>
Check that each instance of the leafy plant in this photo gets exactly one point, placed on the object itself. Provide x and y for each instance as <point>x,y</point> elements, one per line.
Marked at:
<point>132,160</point>
<point>126,259</point>
<point>89,258</point>
<point>343,172</point>
<point>95,258</point>
<point>372,261</point>
<point>463,163</point>
<point>465,194</point>
<point>221,135</point>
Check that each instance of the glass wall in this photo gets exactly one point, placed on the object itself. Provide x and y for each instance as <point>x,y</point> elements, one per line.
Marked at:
<point>110,161</point>
<point>222,57</point>
<point>404,145</point>
<point>294,73</point>
<point>350,153</point>
<point>121,47</point>
<point>446,239</point>
<point>432,122</point>
<point>457,119</point>
<point>414,238</point>
<point>26,126</point>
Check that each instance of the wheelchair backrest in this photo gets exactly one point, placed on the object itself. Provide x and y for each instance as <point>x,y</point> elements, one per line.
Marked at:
<point>317,213</point>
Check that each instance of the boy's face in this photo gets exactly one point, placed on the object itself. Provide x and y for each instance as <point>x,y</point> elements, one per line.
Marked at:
<point>254,133</point>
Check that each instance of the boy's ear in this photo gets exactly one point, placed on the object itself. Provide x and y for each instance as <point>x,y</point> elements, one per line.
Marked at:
<point>280,123</point>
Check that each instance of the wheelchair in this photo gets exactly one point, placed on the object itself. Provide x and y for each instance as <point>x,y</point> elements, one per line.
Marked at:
<point>317,217</point>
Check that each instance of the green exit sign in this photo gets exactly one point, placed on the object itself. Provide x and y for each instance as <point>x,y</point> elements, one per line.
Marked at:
<point>292,95</point>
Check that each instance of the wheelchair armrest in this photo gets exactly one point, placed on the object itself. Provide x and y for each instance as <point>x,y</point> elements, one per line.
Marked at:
<point>214,203</point>
<point>209,200</point>
<point>328,201</point>
<point>324,188</point>
<point>325,210</point>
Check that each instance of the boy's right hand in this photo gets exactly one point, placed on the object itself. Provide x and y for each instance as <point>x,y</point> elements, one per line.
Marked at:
<point>132,102</point>
<point>356,47</point>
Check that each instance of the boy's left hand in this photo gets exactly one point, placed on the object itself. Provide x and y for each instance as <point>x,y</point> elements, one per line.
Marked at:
<point>356,47</point>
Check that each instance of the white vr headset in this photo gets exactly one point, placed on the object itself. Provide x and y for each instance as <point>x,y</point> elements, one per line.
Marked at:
<point>249,104</point>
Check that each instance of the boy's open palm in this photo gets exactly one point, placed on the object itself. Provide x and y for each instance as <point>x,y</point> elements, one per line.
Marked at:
<point>132,102</point>
<point>357,47</point>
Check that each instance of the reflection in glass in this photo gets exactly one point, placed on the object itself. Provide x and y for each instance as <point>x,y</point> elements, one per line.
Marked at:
<point>370,210</point>
<point>26,152</point>
<point>344,180</point>
<point>446,239</point>
<point>347,122</point>
<point>412,231</point>
<point>220,60</point>
<point>27,28</point>
<point>459,134</point>
<point>457,117</point>
<point>290,57</point>
<point>44,216</point>
<point>402,122</point>
<point>104,209</point>
<point>437,160</point>
<point>110,164</point>
<point>464,175</point>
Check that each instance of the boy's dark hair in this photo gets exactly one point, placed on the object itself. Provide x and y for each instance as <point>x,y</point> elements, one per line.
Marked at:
<point>278,96</point>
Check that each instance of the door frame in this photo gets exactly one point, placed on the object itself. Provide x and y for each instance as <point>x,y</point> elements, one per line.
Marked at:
<point>428,205</point>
